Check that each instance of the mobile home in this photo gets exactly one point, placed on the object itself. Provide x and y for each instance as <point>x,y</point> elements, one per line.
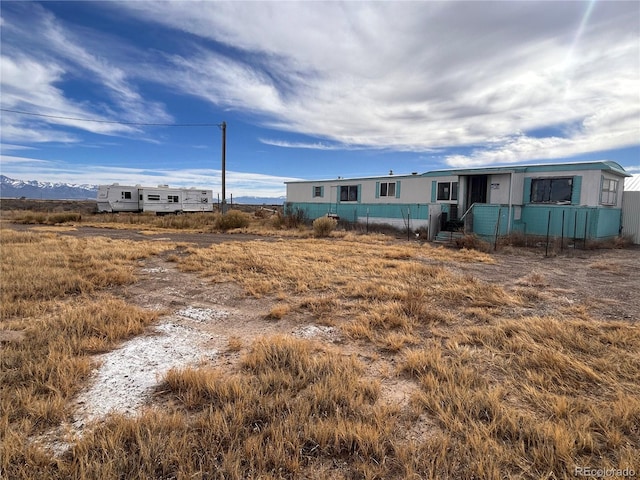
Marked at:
<point>161,199</point>
<point>581,200</point>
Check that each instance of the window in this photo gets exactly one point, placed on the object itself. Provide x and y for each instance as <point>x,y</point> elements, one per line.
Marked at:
<point>349,193</point>
<point>153,197</point>
<point>551,190</point>
<point>125,195</point>
<point>447,191</point>
<point>609,193</point>
<point>388,189</point>
<point>317,192</point>
<point>173,199</point>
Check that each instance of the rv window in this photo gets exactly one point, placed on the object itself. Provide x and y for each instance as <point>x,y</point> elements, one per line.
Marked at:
<point>609,193</point>
<point>349,193</point>
<point>125,195</point>
<point>317,191</point>
<point>153,197</point>
<point>388,189</point>
<point>551,190</point>
<point>173,198</point>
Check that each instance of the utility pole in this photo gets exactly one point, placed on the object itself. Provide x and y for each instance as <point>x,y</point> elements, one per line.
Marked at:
<point>223,127</point>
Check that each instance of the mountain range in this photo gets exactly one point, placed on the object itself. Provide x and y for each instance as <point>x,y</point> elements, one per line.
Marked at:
<point>11,188</point>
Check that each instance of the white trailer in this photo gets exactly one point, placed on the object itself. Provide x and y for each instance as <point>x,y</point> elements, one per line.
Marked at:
<point>118,198</point>
<point>161,199</point>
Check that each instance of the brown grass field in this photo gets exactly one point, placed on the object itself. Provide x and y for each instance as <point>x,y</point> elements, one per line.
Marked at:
<point>432,363</point>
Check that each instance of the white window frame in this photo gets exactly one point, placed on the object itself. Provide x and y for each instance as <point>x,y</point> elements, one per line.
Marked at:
<point>387,189</point>
<point>450,192</point>
<point>349,189</point>
<point>609,191</point>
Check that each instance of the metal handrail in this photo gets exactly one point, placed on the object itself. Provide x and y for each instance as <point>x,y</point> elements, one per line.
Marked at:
<point>468,210</point>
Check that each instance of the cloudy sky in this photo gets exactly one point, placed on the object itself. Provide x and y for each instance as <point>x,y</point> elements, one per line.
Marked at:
<point>134,92</point>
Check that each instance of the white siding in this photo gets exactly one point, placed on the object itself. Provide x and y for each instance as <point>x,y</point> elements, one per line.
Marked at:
<point>499,189</point>
<point>413,189</point>
<point>631,215</point>
<point>517,189</point>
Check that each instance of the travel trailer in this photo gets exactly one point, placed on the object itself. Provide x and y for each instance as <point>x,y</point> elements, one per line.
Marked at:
<point>161,199</point>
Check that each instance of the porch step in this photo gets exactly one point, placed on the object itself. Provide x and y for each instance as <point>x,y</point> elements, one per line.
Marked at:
<point>447,237</point>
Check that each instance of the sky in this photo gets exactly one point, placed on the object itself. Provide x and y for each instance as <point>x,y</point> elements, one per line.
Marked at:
<point>135,92</point>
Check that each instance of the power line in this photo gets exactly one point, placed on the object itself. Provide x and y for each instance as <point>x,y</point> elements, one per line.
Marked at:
<point>113,121</point>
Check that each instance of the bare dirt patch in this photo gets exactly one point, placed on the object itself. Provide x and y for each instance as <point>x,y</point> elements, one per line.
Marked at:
<point>605,282</point>
<point>200,321</point>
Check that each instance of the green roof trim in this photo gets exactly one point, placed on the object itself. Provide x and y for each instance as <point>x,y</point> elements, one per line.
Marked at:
<point>606,165</point>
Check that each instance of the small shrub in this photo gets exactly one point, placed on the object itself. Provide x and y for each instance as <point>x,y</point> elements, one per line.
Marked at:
<point>65,217</point>
<point>31,218</point>
<point>230,220</point>
<point>422,233</point>
<point>278,311</point>
<point>621,241</point>
<point>234,344</point>
<point>515,239</point>
<point>293,217</point>
<point>473,242</point>
<point>323,226</point>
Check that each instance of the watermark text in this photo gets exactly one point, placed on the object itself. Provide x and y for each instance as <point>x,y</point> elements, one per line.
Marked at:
<point>604,472</point>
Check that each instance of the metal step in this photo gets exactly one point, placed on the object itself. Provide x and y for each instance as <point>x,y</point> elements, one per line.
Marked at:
<point>447,237</point>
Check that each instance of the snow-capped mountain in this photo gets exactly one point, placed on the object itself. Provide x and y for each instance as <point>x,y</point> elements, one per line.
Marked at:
<point>259,200</point>
<point>11,188</point>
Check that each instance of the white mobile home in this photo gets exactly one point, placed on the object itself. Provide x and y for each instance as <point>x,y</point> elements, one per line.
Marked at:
<point>581,200</point>
<point>161,199</point>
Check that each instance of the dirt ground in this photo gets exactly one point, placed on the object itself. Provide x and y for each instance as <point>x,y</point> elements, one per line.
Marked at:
<point>201,319</point>
<point>606,281</point>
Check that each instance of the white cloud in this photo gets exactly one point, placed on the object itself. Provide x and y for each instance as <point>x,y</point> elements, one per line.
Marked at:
<point>35,69</point>
<point>306,145</point>
<point>406,76</point>
<point>11,147</point>
<point>237,183</point>
<point>415,76</point>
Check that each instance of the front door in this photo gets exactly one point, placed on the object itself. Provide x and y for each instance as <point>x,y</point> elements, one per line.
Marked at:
<point>477,192</point>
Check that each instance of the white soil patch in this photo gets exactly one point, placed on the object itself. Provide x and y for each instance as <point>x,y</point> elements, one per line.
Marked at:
<point>199,318</point>
<point>203,314</point>
<point>128,375</point>
<point>188,334</point>
<point>314,331</point>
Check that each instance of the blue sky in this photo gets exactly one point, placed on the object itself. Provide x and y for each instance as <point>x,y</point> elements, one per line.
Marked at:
<point>312,90</point>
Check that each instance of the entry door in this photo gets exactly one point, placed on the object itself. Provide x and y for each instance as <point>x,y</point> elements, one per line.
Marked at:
<point>477,189</point>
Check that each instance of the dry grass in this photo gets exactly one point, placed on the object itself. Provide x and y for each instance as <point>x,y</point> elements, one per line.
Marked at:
<point>536,396</point>
<point>46,282</point>
<point>507,396</point>
<point>496,391</point>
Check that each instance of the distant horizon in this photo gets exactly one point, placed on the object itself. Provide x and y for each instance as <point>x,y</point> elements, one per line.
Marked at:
<point>49,188</point>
